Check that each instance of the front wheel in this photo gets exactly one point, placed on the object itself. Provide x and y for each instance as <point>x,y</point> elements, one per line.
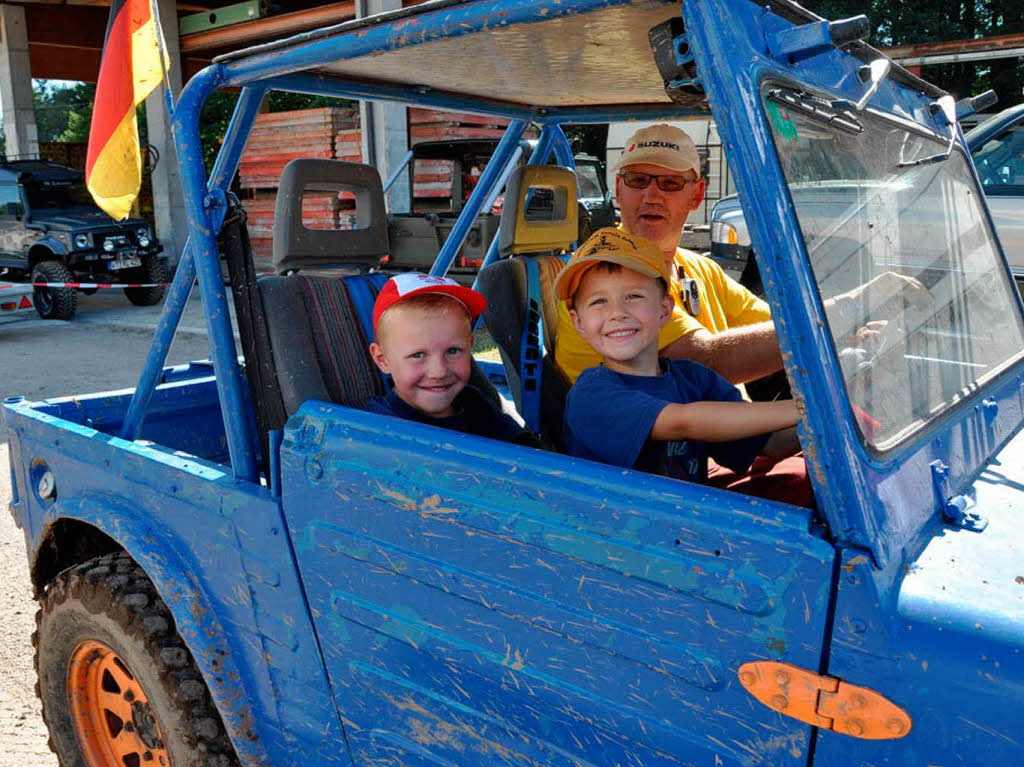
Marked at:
<point>54,303</point>
<point>117,684</point>
<point>153,270</point>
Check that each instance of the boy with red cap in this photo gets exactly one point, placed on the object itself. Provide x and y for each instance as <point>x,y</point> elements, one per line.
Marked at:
<point>637,409</point>
<point>424,341</point>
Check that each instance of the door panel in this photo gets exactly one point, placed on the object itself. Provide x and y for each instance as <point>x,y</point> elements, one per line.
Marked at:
<point>482,603</point>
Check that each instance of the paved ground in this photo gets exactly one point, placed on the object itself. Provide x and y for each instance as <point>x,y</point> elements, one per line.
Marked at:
<point>102,349</point>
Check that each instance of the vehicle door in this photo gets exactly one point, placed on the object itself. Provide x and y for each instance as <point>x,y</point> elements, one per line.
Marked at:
<point>482,603</point>
<point>1000,164</point>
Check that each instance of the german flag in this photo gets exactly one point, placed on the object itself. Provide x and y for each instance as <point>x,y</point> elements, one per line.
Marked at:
<point>132,65</point>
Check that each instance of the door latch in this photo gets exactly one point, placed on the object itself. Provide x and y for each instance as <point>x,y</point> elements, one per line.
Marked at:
<point>824,701</point>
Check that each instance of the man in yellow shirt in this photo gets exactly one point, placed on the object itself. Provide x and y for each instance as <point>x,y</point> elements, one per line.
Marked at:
<point>716,321</point>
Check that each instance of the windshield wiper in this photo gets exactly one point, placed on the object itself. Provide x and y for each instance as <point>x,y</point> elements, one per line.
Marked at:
<point>947,106</point>
<point>817,109</point>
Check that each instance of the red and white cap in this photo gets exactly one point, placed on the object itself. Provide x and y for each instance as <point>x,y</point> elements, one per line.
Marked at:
<point>403,286</point>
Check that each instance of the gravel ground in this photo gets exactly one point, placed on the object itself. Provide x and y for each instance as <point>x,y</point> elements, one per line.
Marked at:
<point>101,350</point>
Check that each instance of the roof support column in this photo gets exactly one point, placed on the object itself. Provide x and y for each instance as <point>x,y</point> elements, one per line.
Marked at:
<point>385,126</point>
<point>168,201</point>
<point>22,139</point>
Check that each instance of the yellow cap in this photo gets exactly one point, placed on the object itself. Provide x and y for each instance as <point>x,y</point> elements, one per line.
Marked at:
<point>616,247</point>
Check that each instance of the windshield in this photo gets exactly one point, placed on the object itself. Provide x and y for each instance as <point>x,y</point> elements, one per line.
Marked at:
<point>57,194</point>
<point>918,303</point>
<point>588,180</point>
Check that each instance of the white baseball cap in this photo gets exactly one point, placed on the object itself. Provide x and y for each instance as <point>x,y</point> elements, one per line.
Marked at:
<point>662,145</point>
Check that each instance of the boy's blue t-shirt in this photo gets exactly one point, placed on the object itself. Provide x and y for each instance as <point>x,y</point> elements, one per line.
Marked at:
<point>474,414</point>
<point>609,417</point>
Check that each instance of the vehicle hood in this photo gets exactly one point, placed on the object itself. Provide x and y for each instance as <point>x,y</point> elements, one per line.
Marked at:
<point>83,218</point>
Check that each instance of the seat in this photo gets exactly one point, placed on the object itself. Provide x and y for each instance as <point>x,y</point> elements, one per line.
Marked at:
<point>306,330</point>
<point>538,226</point>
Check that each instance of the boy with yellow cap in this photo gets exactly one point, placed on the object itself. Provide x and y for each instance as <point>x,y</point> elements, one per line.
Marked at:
<point>642,411</point>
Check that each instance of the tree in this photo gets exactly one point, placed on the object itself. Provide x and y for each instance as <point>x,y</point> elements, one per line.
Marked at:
<point>906,22</point>
<point>63,112</point>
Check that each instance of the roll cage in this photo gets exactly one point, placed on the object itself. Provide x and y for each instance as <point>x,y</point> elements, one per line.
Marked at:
<point>635,59</point>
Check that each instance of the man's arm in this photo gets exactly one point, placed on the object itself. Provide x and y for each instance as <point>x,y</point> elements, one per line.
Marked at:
<point>738,354</point>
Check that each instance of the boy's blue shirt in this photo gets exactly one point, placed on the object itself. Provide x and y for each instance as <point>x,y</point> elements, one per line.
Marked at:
<point>474,414</point>
<point>609,417</point>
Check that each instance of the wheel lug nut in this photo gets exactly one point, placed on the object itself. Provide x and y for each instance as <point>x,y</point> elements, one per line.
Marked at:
<point>128,727</point>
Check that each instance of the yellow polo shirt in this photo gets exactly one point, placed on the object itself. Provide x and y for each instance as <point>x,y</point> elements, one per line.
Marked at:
<point>724,304</point>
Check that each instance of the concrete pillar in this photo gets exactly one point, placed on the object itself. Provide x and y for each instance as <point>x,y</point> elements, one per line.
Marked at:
<point>385,131</point>
<point>168,200</point>
<point>20,131</point>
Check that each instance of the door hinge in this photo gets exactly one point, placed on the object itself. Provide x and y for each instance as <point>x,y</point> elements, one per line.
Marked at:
<point>956,509</point>
<point>824,701</point>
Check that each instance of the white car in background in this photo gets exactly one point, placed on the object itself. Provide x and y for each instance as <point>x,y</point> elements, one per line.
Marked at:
<point>997,147</point>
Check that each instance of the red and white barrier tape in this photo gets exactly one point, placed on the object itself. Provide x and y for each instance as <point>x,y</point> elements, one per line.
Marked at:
<point>90,285</point>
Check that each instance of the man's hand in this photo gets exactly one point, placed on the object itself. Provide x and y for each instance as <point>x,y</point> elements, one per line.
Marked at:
<point>864,311</point>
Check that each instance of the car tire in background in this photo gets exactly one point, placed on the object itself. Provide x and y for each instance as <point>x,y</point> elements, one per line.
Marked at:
<point>152,270</point>
<point>54,303</point>
<point>117,684</point>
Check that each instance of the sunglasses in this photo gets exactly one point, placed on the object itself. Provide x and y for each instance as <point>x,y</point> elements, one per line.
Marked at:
<point>666,183</point>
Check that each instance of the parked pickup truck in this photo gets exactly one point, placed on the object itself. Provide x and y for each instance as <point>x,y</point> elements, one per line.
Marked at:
<point>416,237</point>
<point>239,565</point>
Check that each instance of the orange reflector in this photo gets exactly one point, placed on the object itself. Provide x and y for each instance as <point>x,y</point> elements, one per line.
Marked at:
<point>8,306</point>
<point>824,701</point>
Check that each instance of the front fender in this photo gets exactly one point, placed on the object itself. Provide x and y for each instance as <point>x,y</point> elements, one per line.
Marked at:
<point>217,553</point>
<point>212,643</point>
<point>52,244</point>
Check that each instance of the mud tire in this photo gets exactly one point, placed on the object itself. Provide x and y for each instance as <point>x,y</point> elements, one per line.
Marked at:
<point>152,270</point>
<point>54,303</point>
<point>109,600</point>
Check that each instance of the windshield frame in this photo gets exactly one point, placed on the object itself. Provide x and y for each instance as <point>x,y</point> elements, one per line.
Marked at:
<point>879,503</point>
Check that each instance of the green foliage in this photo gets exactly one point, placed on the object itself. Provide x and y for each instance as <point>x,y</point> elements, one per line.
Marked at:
<point>63,112</point>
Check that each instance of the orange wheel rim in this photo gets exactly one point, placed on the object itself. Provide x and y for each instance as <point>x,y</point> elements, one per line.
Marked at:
<point>113,720</point>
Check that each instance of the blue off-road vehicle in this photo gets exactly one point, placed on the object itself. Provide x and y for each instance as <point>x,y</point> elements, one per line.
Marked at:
<point>235,564</point>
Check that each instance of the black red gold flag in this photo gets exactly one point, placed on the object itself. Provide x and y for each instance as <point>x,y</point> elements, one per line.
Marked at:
<point>132,65</point>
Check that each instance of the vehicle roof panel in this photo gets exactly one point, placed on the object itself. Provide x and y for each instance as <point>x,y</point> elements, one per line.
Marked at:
<point>608,62</point>
<point>538,54</point>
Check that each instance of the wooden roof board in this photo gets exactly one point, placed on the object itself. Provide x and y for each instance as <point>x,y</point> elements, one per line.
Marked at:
<point>598,57</point>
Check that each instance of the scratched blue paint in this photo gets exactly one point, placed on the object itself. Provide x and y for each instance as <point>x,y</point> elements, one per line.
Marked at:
<point>205,541</point>
<point>459,565</point>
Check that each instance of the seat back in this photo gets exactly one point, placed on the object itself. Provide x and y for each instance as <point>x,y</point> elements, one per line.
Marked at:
<point>320,331</point>
<point>298,247</point>
<point>538,224</point>
<point>318,319</point>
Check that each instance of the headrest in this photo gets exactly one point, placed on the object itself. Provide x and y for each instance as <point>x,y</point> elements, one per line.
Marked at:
<point>298,247</point>
<point>540,210</point>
